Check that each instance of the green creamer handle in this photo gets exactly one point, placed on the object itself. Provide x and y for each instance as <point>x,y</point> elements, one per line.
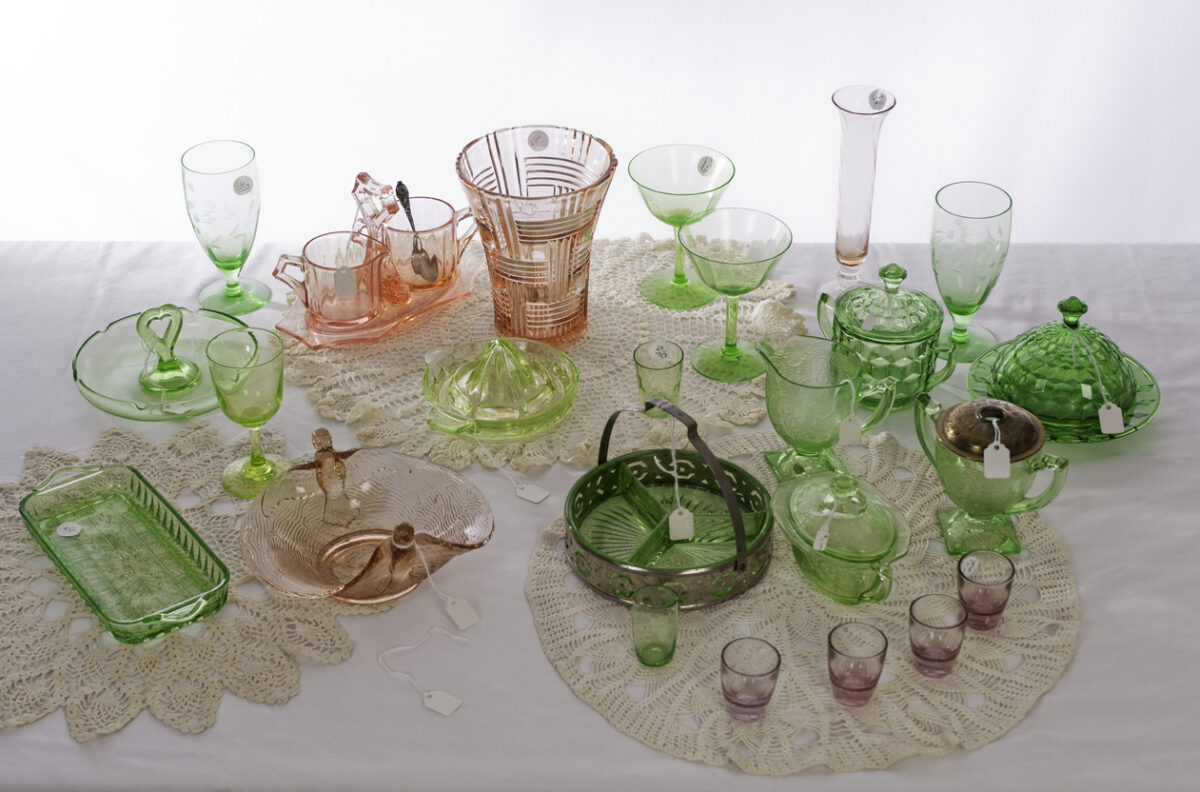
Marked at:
<point>925,412</point>
<point>824,316</point>
<point>1043,462</point>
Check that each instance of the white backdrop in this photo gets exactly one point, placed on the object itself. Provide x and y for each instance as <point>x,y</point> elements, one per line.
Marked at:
<point>1085,111</point>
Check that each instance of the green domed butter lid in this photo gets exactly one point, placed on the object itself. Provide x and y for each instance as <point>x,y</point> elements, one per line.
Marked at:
<point>1064,371</point>
<point>890,314</point>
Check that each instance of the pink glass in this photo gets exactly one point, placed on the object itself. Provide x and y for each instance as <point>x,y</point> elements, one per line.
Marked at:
<point>437,224</point>
<point>749,671</point>
<point>341,279</point>
<point>536,192</point>
<point>862,109</point>
<point>985,580</point>
<point>856,654</point>
<point>936,626</point>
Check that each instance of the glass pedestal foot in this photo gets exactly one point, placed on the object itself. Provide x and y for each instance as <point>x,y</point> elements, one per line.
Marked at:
<point>254,296</point>
<point>660,288</point>
<point>710,360</point>
<point>789,463</point>
<point>243,483</point>
<point>963,533</point>
<point>980,340</point>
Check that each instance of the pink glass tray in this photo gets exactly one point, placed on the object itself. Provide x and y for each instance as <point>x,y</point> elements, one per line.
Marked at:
<point>423,302</point>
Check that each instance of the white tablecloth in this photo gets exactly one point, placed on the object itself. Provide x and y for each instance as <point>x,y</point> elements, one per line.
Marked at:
<point>1124,714</point>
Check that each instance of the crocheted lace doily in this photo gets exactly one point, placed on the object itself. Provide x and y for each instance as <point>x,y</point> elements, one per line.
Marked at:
<point>678,708</point>
<point>376,388</point>
<point>53,652</point>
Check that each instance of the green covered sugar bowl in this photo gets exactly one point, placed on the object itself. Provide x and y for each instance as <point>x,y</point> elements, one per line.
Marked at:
<point>895,331</point>
<point>845,534</point>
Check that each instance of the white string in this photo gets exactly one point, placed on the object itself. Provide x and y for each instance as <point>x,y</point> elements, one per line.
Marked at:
<point>428,634</point>
<point>995,431</point>
<point>428,574</point>
<point>515,481</point>
<point>1076,338</point>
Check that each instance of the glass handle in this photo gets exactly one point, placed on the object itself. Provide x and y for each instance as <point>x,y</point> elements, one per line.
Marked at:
<point>1044,462</point>
<point>464,239</point>
<point>825,316</point>
<point>280,273</point>
<point>925,411</point>
<point>885,404</point>
<point>943,374</point>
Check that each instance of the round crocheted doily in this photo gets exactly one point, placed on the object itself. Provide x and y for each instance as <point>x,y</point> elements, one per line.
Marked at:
<point>53,652</point>
<point>678,708</point>
<point>376,388</point>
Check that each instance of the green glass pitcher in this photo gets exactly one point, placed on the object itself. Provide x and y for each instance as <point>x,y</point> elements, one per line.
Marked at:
<point>955,440</point>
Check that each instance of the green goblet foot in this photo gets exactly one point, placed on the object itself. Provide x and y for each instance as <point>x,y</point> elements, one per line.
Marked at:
<point>664,290</point>
<point>723,363</point>
<point>790,463</point>
<point>245,480</point>
<point>979,340</point>
<point>249,296</point>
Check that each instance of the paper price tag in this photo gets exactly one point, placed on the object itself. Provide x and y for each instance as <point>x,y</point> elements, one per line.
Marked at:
<point>69,529</point>
<point>538,140</point>
<point>970,565</point>
<point>821,540</point>
<point>995,461</point>
<point>681,525</point>
<point>531,492</point>
<point>869,321</point>
<point>704,165</point>
<point>1111,420</point>
<point>850,431</point>
<point>242,185</point>
<point>1086,389</point>
<point>877,99</point>
<point>441,702</point>
<point>344,282</point>
<point>461,612</point>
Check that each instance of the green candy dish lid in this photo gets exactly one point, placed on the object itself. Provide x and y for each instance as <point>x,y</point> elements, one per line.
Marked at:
<point>889,313</point>
<point>970,427</point>
<point>842,517</point>
<point>1064,371</point>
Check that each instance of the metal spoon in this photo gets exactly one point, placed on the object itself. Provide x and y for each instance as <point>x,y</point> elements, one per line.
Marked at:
<point>423,264</point>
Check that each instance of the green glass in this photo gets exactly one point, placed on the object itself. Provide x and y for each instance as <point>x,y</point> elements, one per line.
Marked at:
<point>680,184</point>
<point>955,444</point>
<point>812,384</point>
<point>246,365</point>
<point>845,534</point>
<point>1065,372</point>
<point>221,190</point>
<point>125,549</point>
<point>734,251</point>
<point>659,366</point>
<point>655,624</point>
<point>972,224</point>
<point>499,388</point>
<point>895,332</point>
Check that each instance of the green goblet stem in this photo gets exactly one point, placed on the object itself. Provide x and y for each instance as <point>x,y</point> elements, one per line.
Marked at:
<point>731,346</point>
<point>233,286</point>
<point>959,334</point>
<point>258,467</point>
<point>679,278</point>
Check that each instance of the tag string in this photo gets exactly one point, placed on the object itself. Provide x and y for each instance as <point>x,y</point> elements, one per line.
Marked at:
<point>674,471</point>
<point>995,431</point>
<point>1077,339</point>
<point>429,575</point>
<point>515,481</point>
<point>407,677</point>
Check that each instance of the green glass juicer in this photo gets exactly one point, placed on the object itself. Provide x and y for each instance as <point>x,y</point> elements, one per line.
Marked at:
<point>954,439</point>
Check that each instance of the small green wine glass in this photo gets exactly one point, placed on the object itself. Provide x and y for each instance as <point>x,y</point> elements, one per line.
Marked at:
<point>246,364</point>
<point>220,188</point>
<point>733,250</point>
<point>680,184</point>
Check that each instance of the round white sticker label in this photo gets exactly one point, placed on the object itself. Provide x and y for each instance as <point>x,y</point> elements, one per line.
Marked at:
<point>538,140</point>
<point>705,165</point>
<point>243,185</point>
<point>69,529</point>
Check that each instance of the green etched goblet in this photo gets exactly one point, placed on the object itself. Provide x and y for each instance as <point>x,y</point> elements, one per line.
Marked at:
<point>972,224</point>
<point>733,250</point>
<point>246,364</point>
<point>220,187</point>
<point>680,184</point>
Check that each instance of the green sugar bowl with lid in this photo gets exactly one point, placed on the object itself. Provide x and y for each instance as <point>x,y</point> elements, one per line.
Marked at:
<point>845,534</point>
<point>895,331</point>
<point>985,492</point>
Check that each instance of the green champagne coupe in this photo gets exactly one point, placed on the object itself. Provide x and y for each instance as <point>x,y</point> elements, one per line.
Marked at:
<point>220,187</point>
<point>680,184</point>
<point>733,250</point>
<point>246,364</point>
<point>972,224</point>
